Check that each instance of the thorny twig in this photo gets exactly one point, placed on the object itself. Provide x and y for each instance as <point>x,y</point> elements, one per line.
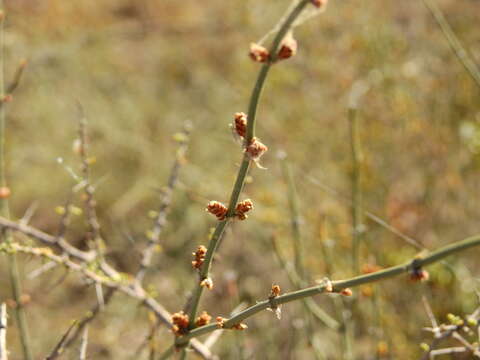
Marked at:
<point>49,240</point>
<point>452,329</point>
<point>165,201</point>
<point>83,345</point>
<point>90,203</point>
<point>89,316</point>
<point>59,347</point>
<point>128,287</point>
<point>13,272</point>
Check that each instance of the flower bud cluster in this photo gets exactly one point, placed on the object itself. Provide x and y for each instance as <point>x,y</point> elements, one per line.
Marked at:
<point>199,256</point>
<point>218,209</point>
<point>180,323</point>
<point>242,208</point>
<point>203,319</point>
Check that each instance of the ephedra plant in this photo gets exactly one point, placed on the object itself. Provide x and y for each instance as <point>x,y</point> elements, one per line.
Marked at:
<point>190,321</point>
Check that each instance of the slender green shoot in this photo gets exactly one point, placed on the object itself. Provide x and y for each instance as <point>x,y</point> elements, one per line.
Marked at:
<point>356,191</point>
<point>455,44</point>
<point>13,272</point>
<point>337,286</point>
<point>246,162</point>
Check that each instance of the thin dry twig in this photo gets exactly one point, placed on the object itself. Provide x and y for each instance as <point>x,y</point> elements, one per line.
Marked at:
<point>3,332</point>
<point>90,203</point>
<point>447,351</point>
<point>65,217</point>
<point>429,311</point>
<point>456,45</point>
<point>165,201</point>
<point>451,330</point>
<point>17,77</point>
<point>49,240</point>
<point>89,317</point>
<point>41,270</point>
<point>367,213</point>
<point>128,287</point>
<point>59,347</point>
<point>13,271</point>
<point>83,345</point>
<point>27,216</point>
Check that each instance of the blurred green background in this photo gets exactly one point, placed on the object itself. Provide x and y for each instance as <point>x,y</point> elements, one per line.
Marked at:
<point>142,68</point>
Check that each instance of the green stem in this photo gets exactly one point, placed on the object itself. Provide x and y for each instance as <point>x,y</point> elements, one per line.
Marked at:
<point>5,210</point>
<point>356,226</point>
<point>454,42</point>
<point>294,220</point>
<point>311,305</point>
<point>183,354</point>
<point>169,352</point>
<point>244,167</point>
<point>338,286</point>
<point>356,192</point>
<point>257,90</point>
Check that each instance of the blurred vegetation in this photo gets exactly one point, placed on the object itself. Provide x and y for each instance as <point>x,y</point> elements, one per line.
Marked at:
<point>142,68</point>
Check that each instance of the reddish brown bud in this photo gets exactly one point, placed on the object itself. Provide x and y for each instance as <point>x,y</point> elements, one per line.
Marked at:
<point>242,208</point>
<point>218,209</point>
<point>240,326</point>
<point>203,319</point>
<point>180,323</point>
<point>275,291</point>
<point>25,299</point>
<point>346,292</point>
<point>199,257</point>
<point>240,124</point>
<point>419,275</point>
<point>319,3</point>
<point>256,149</point>
<point>288,48</point>
<point>7,98</point>
<point>4,192</point>
<point>258,53</point>
<point>220,321</point>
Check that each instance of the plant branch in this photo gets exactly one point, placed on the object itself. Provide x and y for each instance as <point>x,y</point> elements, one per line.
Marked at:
<point>47,239</point>
<point>356,192</point>
<point>245,165</point>
<point>6,235</point>
<point>128,287</point>
<point>83,345</point>
<point>338,286</point>
<point>311,305</point>
<point>3,332</point>
<point>165,201</point>
<point>455,44</point>
<point>89,317</point>
<point>60,346</point>
<point>90,203</point>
